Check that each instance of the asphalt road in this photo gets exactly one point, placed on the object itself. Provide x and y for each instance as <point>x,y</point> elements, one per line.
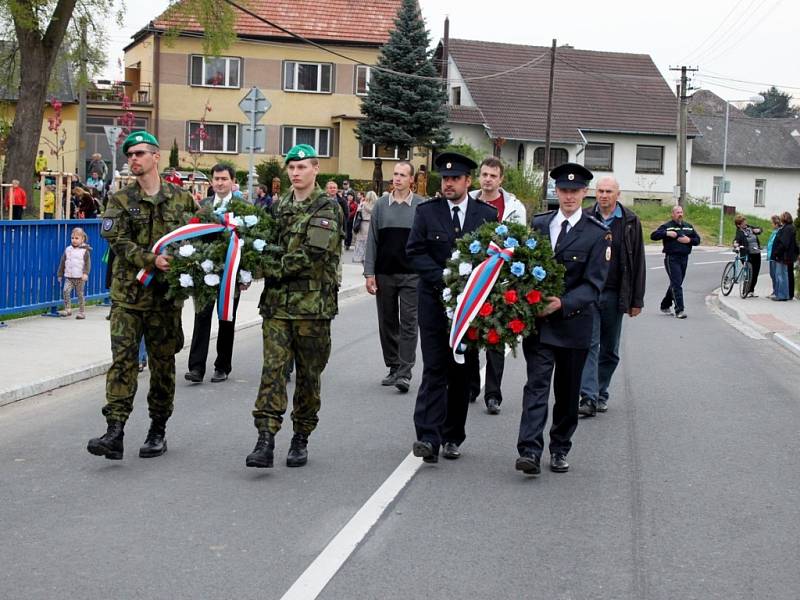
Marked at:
<point>686,488</point>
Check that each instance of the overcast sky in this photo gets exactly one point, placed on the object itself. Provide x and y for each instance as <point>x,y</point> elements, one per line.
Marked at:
<point>740,47</point>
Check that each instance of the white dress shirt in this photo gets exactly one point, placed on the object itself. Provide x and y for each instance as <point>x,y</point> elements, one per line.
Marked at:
<point>555,225</point>
<point>462,210</point>
<point>222,202</point>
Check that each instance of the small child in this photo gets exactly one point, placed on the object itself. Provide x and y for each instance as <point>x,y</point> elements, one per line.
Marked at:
<point>75,265</point>
<point>49,201</point>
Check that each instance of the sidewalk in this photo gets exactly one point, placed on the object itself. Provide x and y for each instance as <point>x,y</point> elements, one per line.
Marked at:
<point>40,354</point>
<point>778,320</point>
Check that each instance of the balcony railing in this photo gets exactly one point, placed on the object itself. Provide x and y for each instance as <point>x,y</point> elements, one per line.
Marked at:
<point>112,93</point>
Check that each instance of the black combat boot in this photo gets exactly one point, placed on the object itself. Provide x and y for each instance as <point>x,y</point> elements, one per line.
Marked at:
<point>155,444</point>
<point>263,454</point>
<point>109,444</point>
<point>298,451</point>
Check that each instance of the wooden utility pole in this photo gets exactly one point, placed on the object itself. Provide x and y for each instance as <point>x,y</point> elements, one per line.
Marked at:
<point>546,165</point>
<point>683,119</point>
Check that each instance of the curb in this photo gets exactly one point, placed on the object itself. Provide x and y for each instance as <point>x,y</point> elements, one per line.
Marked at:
<point>9,396</point>
<point>779,338</point>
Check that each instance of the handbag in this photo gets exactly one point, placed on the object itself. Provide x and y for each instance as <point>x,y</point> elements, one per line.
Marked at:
<point>357,221</point>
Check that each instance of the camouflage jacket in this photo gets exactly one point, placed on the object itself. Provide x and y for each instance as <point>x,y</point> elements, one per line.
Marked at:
<point>132,223</point>
<point>310,233</point>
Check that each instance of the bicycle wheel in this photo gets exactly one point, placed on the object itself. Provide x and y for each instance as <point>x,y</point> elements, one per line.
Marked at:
<point>744,280</point>
<point>727,279</point>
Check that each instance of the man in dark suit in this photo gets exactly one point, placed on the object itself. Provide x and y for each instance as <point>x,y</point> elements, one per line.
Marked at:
<point>442,400</point>
<point>563,334</point>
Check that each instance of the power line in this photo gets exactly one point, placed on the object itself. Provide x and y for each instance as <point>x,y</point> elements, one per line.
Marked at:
<point>707,75</point>
<point>730,31</point>
<point>738,40</point>
<point>711,35</point>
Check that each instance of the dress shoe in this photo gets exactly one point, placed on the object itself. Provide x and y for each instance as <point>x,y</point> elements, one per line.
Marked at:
<point>262,455</point>
<point>402,384</point>
<point>450,451</point>
<point>110,443</point>
<point>601,406</point>
<point>558,463</point>
<point>680,315</point>
<point>425,451</point>
<point>389,379</point>
<point>219,376</point>
<point>155,444</point>
<point>194,376</point>
<point>528,463</point>
<point>587,408</point>
<point>298,451</point>
<point>492,406</point>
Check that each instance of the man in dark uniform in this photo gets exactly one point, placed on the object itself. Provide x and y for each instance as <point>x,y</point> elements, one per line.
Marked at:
<point>678,238</point>
<point>563,334</point>
<point>135,218</point>
<point>442,400</point>
<point>297,308</point>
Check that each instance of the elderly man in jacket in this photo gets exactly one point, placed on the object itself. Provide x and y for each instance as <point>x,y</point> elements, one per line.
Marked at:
<point>509,210</point>
<point>622,294</point>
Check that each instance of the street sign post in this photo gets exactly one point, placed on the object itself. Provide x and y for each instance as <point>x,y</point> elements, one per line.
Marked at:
<point>254,106</point>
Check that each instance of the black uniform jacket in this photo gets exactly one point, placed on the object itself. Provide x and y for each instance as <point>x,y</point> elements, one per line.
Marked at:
<point>433,238</point>
<point>585,252</point>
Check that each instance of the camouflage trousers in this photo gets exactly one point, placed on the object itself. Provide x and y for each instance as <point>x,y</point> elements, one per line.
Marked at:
<point>307,343</point>
<point>163,336</point>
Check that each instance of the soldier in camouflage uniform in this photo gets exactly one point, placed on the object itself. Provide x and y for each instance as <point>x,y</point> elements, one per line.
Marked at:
<point>135,218</point>
<point>297,309</point>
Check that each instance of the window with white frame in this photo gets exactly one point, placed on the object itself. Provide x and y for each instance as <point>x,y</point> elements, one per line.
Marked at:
<point>371,151</point>
<point>307,77</point>
<point>213,137</point>
<point>215,71</point>
<point>716,191</point>
<point>649,159</point>
<point>599,157</point>
<point>760,193</point>
<point>363,79</point>
<point>318,138</point>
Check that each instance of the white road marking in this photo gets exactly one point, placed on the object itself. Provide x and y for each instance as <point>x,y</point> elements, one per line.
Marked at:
<point>319,573</point>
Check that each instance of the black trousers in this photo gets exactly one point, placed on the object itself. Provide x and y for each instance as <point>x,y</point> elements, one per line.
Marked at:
<point>16,212</point>
<point>495,365</point>
<point>440,413</point>
<point>542,360</point>
<point>397,321</point>
<point>755,263</point>
<point>200,340</point>
<point>675,265</point>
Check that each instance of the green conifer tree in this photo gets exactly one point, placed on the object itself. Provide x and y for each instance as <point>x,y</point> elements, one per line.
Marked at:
<point>400,110</point>
<point>174,160</point>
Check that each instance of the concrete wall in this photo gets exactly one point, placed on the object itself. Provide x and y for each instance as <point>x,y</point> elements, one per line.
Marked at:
<point>782,188</point>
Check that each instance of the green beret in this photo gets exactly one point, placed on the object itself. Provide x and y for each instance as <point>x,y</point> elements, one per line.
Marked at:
<point>300,152</point>
<point>139,137</point>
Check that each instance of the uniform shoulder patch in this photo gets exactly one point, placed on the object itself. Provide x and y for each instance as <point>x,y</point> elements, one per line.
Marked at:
<point>108,224</point>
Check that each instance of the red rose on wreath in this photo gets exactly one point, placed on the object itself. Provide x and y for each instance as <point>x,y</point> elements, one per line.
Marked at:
<point>194,220</point>
<point>516,326</point>
<point>533,297</point>
<point>472,333</point>
<point>510,297</point>
<point>492,337</point>
<point>485,310</point>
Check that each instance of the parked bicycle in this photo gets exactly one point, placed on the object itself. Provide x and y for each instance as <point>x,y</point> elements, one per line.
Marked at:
<point>738,271</point>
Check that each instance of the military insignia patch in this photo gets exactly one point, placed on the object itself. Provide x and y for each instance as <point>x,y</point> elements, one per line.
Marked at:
<point>571,176</point>
<point>449,165</point>
<point>301,154</point>
<point>108,224</point>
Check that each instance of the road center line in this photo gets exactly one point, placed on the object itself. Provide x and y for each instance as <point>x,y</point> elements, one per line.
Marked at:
<point>319,573</point>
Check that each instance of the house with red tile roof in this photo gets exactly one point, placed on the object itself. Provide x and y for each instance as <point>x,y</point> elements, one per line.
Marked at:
<point>314,89</point>
<point>612,112</point>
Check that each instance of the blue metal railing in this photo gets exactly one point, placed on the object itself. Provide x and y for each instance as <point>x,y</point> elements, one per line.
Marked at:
<point>29,255</point>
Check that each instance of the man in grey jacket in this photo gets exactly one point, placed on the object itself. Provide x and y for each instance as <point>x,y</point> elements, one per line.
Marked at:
<point>390,278</point>
<point>509,210</point>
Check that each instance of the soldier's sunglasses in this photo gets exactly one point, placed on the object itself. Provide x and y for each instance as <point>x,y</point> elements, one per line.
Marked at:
<point>138,153</point>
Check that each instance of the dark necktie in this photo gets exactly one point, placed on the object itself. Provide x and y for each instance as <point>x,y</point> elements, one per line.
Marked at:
<point>456,222</point>
<point>563,234</point>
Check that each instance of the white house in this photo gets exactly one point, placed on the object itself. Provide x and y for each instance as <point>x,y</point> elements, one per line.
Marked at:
<point>612,112</point>
<point>763,159</point>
